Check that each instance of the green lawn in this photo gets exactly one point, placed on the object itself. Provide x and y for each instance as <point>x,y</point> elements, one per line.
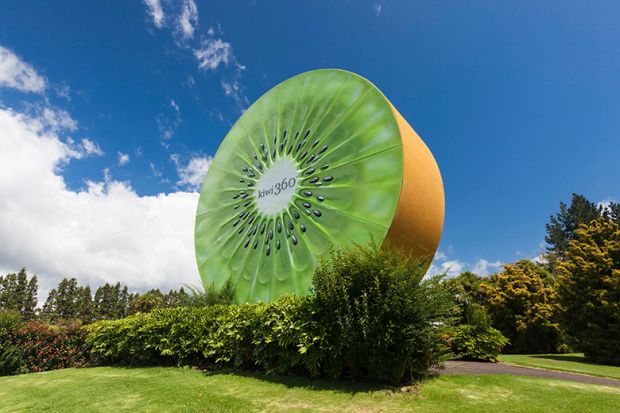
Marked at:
<point>107,389</point>
<point>574,362</point>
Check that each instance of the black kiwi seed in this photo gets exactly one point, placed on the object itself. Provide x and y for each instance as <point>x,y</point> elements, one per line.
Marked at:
<point>295,214</point>
<point>303,155</point>
<point>245,169</point>
<point>251,175</point>
<point>290,225</point>
<point>290,148</point>
<point>256,157</point>
<point>264,157</point>
<point>294,239</point>
<point>325,166</point>
<point>247,243</point>
<point>267,250</point>
<point>255,244</point>
<point>252,220</point>
<point>307,193</point>
<point>328,178</point>
<point>302,227</point>
<point>284,134</point>
<point>309,171</point>
<point>279,226</point>
<point>270,233</point>
<point>273,153</point>
<point>311,158</point>
<point>306,204</point>
<point>298,147</point>
<point>246,203</point>
<point>315,179</point>
<point>278,244</point>
<point>281,146</point>
<point>262,147</point>
<point>237,207</point>
<point>320,198</point>
<point>255,229</point>
<point>307,133</point>
<point>241,180</point>
<point>245,196</point>
<point>308,212</point>
<point>317,213</point>
<point>323,149</point>
<point>236,196</point>
<point>250,184</point>
<point>240,230</point>
<point>236,222</point>
<point>262,229</point>
<point>260,166</point>
<point>315,143</point>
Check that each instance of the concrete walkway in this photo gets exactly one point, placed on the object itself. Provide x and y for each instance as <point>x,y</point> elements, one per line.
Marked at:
<point>477,368</point>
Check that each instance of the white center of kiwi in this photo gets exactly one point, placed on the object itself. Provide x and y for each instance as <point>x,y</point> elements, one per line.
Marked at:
<point>276,186</point>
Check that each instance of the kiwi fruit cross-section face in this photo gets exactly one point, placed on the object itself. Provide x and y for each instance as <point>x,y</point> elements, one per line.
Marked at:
<point>322,158</point>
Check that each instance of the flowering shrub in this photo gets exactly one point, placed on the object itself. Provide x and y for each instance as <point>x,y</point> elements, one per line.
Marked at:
<point>34,347</point>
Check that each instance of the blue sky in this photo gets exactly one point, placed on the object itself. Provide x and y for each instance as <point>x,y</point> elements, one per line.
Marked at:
<point>519,100</point>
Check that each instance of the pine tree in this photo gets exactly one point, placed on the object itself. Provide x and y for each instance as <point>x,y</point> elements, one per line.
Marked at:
<point>18,293</point>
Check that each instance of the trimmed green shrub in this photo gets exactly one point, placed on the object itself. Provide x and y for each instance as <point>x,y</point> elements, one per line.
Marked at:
<point>370,317</point>
<point>474,343</point>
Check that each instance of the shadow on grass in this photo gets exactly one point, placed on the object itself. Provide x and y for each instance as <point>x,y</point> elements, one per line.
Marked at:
<point>560,357</point>
<point>347,387</point>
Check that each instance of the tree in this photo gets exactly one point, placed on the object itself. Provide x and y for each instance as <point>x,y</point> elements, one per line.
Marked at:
<point>467,290</point>
<point>561,227</point>
<point>110,302</point>
<point>589,290</point>
<point>522,303</point>
<point>148,301</point>
<point>68,301</point>
<point>19,294</point>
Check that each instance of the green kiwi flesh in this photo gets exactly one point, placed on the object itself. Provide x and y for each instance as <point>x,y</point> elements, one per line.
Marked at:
<point>317,160</point>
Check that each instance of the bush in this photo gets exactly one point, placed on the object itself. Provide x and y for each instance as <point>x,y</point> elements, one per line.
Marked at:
<point>380,320</point>
<point>475,343</point>
<point>33,347</point>
<point>370,317</point>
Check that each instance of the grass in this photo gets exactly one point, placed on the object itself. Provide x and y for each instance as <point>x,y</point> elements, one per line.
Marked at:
<point>106,389</point>
<point>575,363</point>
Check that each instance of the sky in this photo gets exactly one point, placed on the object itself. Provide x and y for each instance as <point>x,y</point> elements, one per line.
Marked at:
<point>110,114</point>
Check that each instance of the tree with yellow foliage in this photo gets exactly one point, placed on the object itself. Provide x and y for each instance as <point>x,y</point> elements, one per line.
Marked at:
<point>522,303</point>
<point>589,290</point>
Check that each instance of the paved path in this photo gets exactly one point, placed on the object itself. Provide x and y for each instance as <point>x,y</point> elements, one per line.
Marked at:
<point>476,368</point>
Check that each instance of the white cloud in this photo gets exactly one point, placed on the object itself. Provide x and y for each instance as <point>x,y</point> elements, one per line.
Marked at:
<point>155,12</point>
<point>91,148</point>
<point>16,74</point>
<point>212,53</point>
<point>377,7</point>
<point>175,106</point>
<point>123,159</point>
<point>453,267</point>
<point>103,233</point>
<point>187,20</point>
<point>55,120</point>
<point>193,173</point>
<point>605,204</point>
<point>233,89</point>
<point>484,267</point>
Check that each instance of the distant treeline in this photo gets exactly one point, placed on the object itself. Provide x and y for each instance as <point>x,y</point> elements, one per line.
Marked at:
<point>70,301</point>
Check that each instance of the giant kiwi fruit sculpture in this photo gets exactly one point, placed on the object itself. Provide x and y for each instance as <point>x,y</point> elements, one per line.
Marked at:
<point>322,158</point>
